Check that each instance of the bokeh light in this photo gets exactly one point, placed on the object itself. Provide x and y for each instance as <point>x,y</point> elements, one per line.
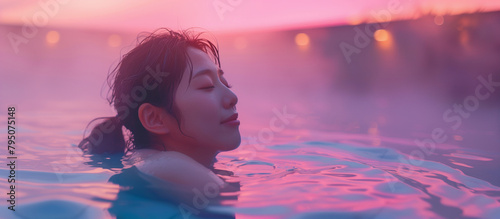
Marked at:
<point>114,40</point>
<point>439,20</point>
<point>381,35</point>
<point>302,39</point>
<point>52,37</point>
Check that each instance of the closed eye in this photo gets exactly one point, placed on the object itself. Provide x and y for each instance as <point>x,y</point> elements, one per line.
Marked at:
<point>209,87</point>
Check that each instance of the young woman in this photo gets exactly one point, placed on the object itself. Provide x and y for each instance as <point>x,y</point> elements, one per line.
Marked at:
<point>178,110</point>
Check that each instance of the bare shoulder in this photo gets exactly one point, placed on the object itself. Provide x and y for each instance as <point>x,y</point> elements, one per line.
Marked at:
<point>174,167</point>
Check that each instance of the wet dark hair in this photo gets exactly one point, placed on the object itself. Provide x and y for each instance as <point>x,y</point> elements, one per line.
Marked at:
<point>149,73</point>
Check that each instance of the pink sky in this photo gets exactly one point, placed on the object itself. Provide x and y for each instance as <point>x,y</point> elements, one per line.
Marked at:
<point>231,15</point>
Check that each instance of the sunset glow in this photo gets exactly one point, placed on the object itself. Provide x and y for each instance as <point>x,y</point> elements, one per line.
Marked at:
<point>225,16</point>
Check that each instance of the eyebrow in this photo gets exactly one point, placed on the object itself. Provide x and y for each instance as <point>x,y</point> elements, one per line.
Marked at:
<point>207,71</point>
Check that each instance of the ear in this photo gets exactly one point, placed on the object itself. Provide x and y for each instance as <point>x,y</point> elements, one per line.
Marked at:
<point>154,119</point>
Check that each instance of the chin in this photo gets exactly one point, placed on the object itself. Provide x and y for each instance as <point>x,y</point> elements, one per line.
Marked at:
<point>233,144</point>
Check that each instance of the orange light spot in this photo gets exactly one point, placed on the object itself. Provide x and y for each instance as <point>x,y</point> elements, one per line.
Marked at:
<point>302,39</point>
<point>384,39</point>
<point>114,40</point>
<point>381,35</point>
<point>52,37</point>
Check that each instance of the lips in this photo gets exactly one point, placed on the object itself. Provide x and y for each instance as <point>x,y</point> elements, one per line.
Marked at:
<point>231,118</point>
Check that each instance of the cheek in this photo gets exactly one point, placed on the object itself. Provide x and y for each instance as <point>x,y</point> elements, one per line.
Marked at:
<point>199,113</point>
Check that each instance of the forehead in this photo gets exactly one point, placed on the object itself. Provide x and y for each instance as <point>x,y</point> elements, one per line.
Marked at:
<point>201,63</point>
<point>200,60</point>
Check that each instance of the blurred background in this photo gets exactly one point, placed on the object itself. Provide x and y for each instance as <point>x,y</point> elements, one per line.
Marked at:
<point>383,73</point>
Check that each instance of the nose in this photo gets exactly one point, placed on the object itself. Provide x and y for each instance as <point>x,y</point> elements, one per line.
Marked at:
<point>230,99</point>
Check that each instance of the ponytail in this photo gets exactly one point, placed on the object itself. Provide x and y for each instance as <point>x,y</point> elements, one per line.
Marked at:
<point>106,137</point>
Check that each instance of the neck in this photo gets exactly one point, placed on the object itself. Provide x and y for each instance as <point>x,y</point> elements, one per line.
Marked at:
<point>204,157</point>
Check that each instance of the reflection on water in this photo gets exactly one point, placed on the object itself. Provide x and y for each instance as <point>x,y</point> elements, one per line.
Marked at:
<point>322,138</point>
<point>340,179</point>
<point>295,180</point>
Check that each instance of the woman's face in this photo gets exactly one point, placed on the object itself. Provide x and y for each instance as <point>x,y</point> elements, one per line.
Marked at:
<point>204,104</point>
